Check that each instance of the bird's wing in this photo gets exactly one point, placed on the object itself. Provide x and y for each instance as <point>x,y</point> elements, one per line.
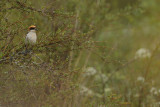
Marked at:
<point>26,39</point>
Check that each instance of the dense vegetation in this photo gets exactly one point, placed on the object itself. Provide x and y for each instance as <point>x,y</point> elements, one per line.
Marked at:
<point>102,53</point>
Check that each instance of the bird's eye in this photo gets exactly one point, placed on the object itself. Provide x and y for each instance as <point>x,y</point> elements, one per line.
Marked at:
<point>32,28</point>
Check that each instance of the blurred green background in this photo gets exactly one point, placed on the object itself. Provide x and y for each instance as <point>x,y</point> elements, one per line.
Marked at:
<point>90,53</point>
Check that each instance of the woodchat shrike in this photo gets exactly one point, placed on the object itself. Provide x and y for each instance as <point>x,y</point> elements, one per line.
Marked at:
<point>31,37</point>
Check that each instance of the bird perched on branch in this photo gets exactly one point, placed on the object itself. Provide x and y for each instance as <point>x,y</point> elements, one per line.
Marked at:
<point>31,37</point>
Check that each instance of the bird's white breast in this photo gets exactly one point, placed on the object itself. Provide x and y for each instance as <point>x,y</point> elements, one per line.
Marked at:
<point>31,37</point>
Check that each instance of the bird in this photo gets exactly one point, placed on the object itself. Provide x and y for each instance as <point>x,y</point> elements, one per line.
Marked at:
<point>31,37</point>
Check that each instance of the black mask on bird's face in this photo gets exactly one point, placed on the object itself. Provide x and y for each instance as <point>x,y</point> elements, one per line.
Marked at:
<point>32,28</point>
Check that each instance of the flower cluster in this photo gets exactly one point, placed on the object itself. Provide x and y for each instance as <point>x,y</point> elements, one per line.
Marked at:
<point>142,53</point>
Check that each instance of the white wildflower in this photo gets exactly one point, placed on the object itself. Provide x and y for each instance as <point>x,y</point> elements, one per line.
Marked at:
<point>85,90</point>
<point>90,71</point>
<point>88,92</point>
<point>154,91</point>
<point>143,53</point>
<point>141,79</point>
<point>101,77</point>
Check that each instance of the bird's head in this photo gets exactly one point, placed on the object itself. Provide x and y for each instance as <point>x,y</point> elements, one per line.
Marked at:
<point>32,27</point>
